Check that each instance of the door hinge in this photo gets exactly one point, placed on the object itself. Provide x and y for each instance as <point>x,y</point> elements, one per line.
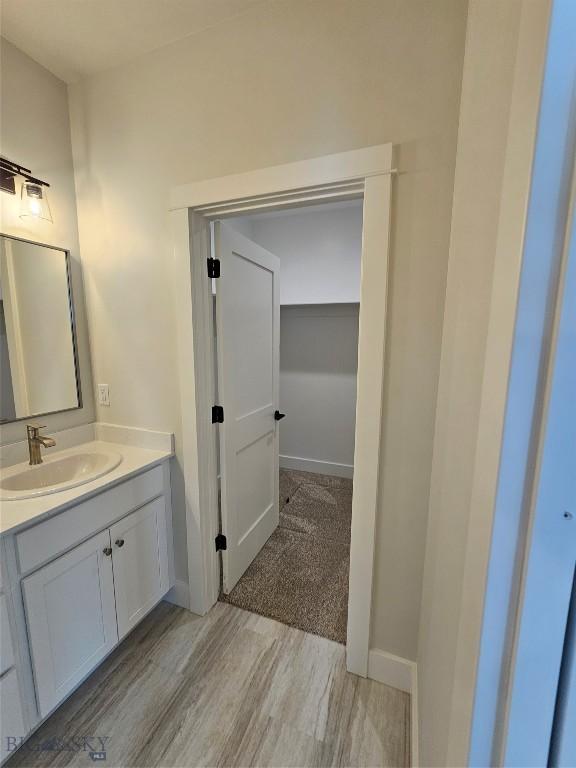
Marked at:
<point>220,542</point>
<point>217,414</point>
<point>213,267</point>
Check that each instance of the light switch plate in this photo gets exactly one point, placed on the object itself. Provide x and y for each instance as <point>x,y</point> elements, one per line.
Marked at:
<point>103,394</point>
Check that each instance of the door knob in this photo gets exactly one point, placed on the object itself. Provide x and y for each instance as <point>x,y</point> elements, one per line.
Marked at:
<point>119,542</point>
<point>278,415</point>
<point>107,551</point>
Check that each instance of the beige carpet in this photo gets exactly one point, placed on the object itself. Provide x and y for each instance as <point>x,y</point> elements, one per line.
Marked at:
<point>300,576</point>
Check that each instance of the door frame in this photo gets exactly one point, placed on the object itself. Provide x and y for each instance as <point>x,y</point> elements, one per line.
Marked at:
<point>534,204</point>
<point>365,173</point>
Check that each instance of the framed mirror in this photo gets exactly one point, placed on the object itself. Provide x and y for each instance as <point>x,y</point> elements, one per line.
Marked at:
<point>39,371</point>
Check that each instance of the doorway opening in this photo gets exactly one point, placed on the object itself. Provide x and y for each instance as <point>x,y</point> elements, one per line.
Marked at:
<point>361,173</point>
<point>287,485</point>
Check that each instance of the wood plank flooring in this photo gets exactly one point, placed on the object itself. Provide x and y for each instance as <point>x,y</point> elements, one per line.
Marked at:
<point>227,689</point>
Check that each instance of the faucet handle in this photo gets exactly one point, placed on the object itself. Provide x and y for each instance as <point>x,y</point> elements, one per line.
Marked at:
<point>33,430</point>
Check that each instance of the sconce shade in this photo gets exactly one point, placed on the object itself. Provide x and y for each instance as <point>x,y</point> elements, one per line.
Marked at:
<point>7,183</point>
<point>34,201</point>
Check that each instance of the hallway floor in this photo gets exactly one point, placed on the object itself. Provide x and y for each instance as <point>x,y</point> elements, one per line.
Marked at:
<point>227,689</point>
<point>300,576</point>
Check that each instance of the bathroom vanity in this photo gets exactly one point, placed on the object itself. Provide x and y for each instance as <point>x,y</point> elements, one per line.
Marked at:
<point>86,547</point>
<point>81,566</point>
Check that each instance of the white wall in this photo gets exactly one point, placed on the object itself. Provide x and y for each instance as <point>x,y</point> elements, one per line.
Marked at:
<point>319,249</point>
<point>36,134</point>
<point>495,68</point>
<point>318,364</point>
<point>285,81</point>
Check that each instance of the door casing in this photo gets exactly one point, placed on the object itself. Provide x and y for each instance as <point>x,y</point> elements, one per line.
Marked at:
<point>367,174</point>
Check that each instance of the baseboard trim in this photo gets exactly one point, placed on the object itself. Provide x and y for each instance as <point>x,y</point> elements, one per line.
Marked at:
<point>391,670</point>
<point>414,734</point>
<point>402,674</point>
<point>313,465</point>
<point>179,595</point>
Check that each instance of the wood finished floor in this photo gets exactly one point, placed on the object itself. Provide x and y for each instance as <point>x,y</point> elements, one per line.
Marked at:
<point>227,689</point>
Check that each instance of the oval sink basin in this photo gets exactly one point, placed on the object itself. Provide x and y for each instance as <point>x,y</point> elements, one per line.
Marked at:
<point>55,474</point>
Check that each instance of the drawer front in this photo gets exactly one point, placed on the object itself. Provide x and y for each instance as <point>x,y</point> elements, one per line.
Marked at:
<point>12,727</point>
<point>6,650</point>
<point>44,541</point>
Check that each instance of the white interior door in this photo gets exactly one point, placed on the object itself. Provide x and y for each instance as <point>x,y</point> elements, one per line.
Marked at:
<point>248,321</point>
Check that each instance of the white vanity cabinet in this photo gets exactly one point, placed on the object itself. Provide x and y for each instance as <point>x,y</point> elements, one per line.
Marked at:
<point>84,577</point>
<point>11,712</point>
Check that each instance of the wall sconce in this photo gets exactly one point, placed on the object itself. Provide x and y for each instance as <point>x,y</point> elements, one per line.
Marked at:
<point>34,201</point>
<point>33,194</point>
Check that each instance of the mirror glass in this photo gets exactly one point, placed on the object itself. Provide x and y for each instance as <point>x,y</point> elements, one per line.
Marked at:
<point>38,356</point>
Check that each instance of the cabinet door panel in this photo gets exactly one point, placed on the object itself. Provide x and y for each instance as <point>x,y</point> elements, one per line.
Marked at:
<point>12,728</point>
<point>140,563</point>
<point>71,618</point>
<point>6,651</point>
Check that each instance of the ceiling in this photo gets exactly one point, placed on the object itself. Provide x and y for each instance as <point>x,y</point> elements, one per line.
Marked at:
<point>76,38</point>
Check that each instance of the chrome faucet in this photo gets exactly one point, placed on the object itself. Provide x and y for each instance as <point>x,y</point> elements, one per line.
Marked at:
<point>35,440</point>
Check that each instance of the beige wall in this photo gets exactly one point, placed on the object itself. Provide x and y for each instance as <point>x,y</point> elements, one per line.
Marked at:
<point>319,248</point>
<point>502,75</point>
<point>35,132</point>
<point>290,79</point>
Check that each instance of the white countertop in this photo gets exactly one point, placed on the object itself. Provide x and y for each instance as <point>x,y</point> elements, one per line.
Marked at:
<point>19,513</point>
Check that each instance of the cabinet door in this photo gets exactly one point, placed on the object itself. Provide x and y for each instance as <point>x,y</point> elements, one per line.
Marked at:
<point>6,651</point>
<point>71,618</point>
<point>140,563</point>
<point>12,728</point>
